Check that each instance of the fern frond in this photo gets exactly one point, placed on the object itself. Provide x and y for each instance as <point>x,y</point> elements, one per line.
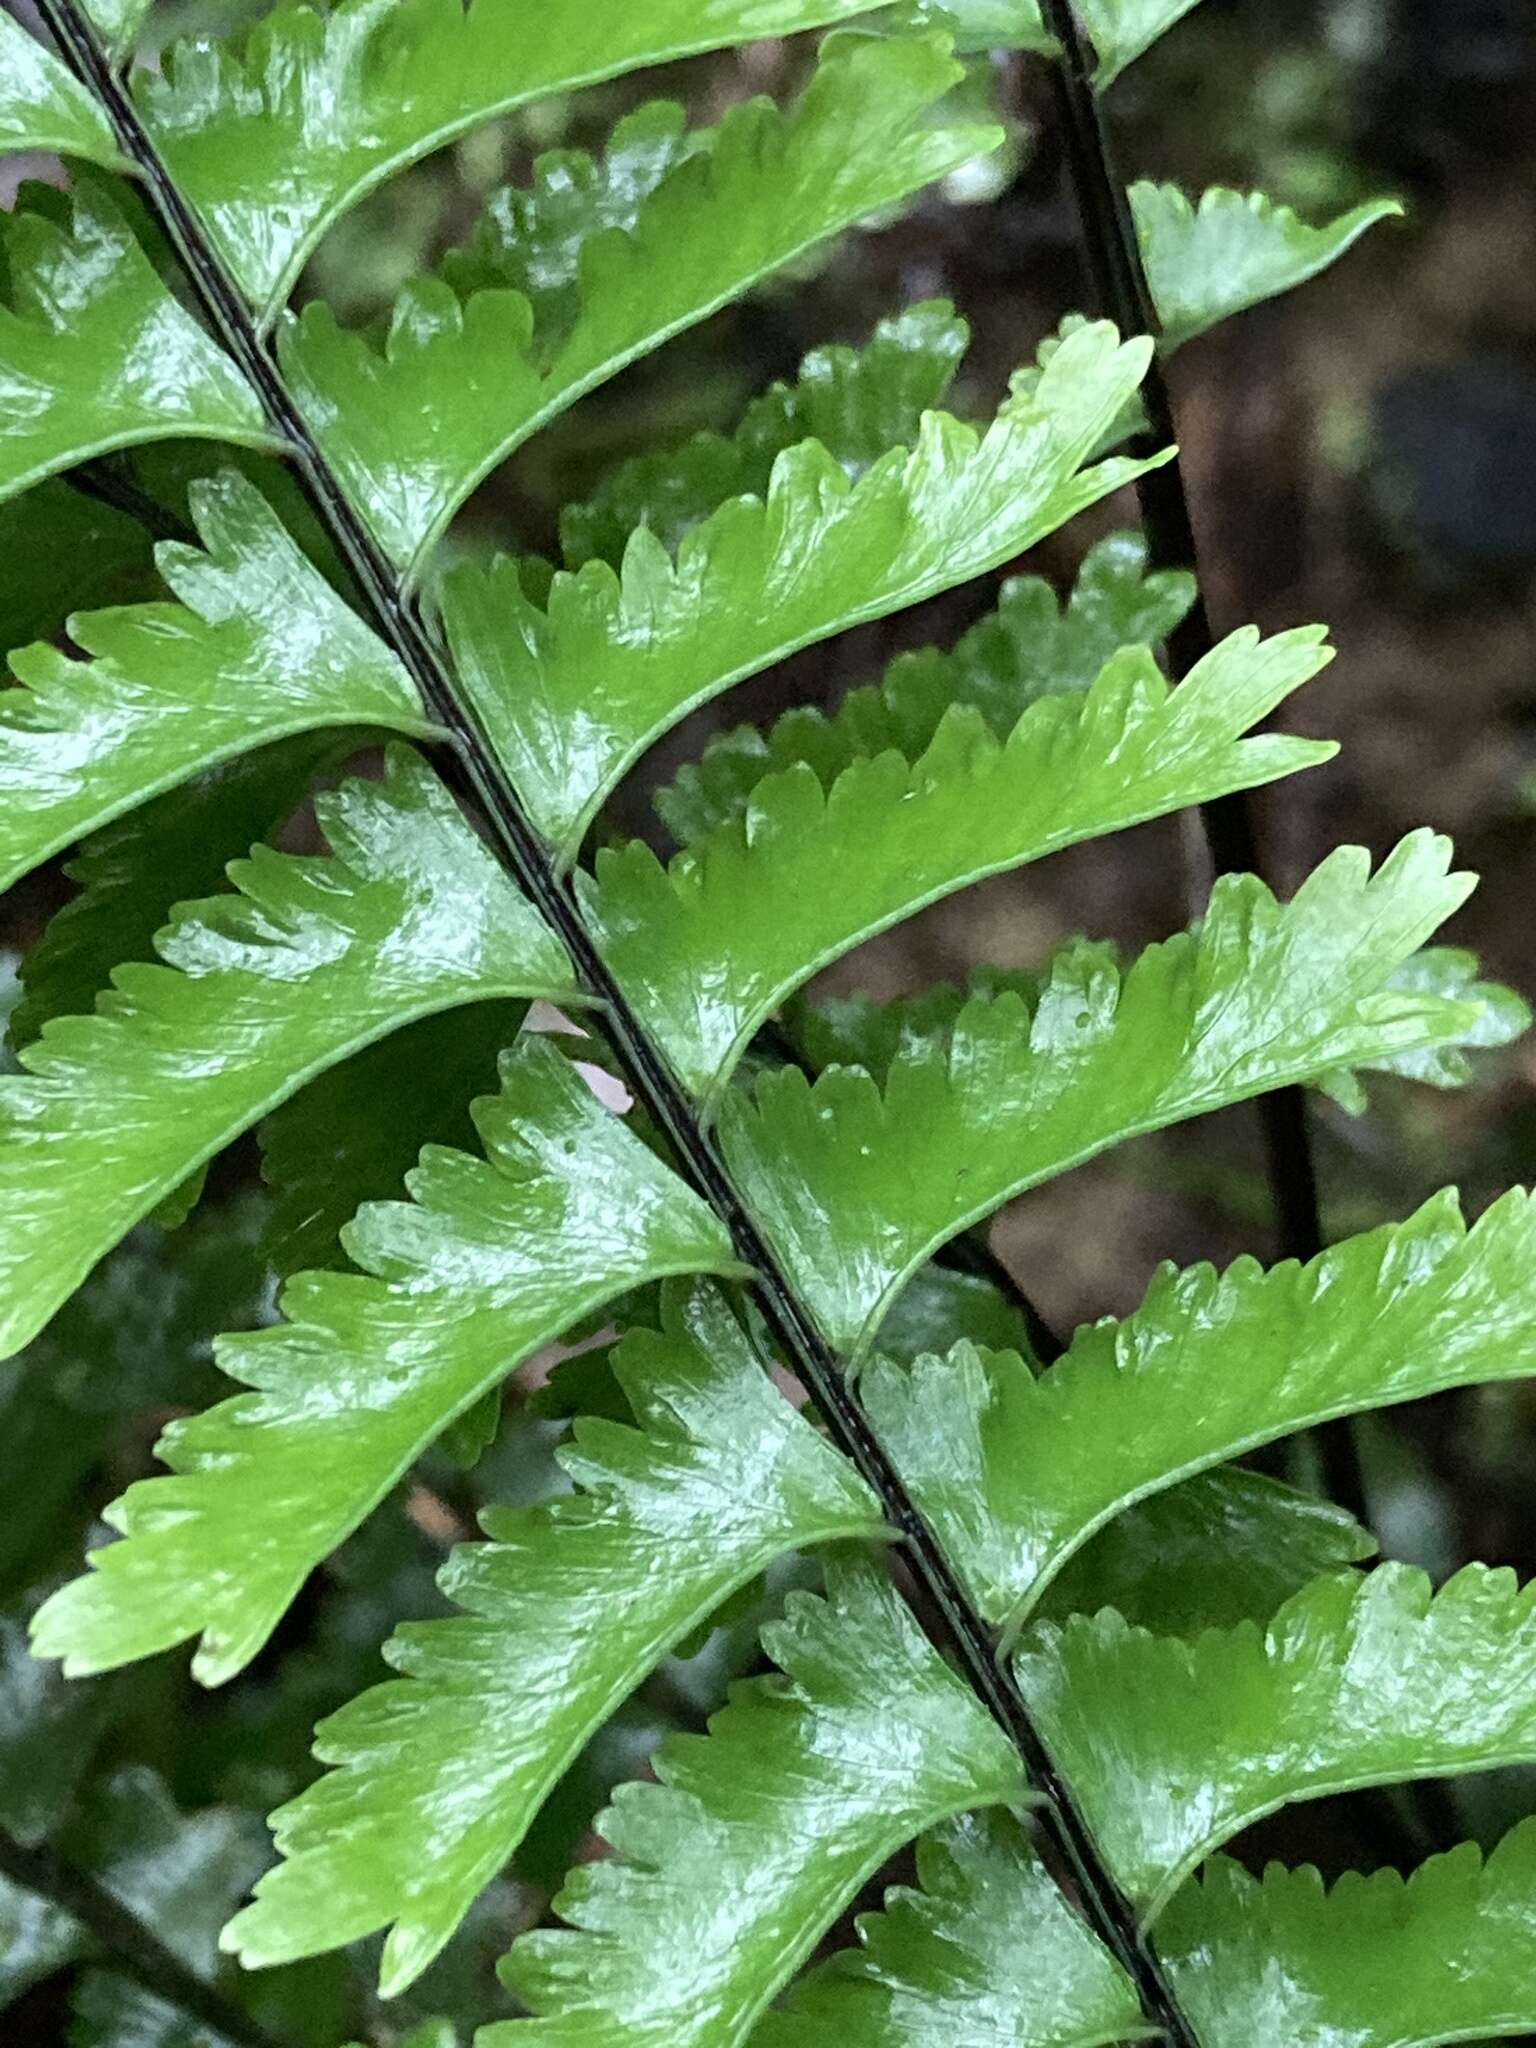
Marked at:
<point>1235,251</point>
<point>457,1286</point>
<point>118,22</point>
<point>460,384</point>
<point>95,354</point>
<point>1123,30</point>
<point>312,959</point>
<point>987,1953</point>
<point>571,696</point>
<point>732,1867</point>
<point>1029,647</point>
<point>1503,1015</point>
<point>1218,1548</point>
<point>275,141</point>
<point>1173,1747</point>
<point>134,871</point>
<point>1447,1954</point>
<point>567,1611</point>
<point>979,25</point>
<point>858,403</point>
<point>259,648</point>
<point>1018,1472</point>
<point>43,108</point>
<point>892,836</point>
<point>857,1187</point>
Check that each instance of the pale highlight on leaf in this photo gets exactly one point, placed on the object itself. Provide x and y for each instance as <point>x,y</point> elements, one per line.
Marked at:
<point>758,1835</point>
<point>311,959</point>
<point>43,107</point>
<point>858,1186</point>
<point>1447,1954</point>
<point>1236,250</point>
<point>1031,646</point>
<point>987,1953</point>
<point>275,141</point>
<point>566,1612</point>
<point>258,649</point>
<point>705,970</point>
<point>1173,1747</point>
<point>95,354</point>
<point>456,1287</point>
<point>119,21</point>
<point>1123,30</point>
<point>1208,1368</point>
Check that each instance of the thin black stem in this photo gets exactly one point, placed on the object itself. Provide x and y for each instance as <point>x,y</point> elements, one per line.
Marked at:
<point>106,484</point>
<point>132,1948</point>
<point>472,768</point>
<point>1120,283</point>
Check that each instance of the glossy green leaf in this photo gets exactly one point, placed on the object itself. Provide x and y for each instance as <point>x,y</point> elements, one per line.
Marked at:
<point>1502,1017</point>
<point>457,1287</point>
<point>1123,30</point>
<point>567,1612</point>
<point>987,1953</point>
<point>858,403</point>
<point>1236,250</point>
<point>571,696</point>
<point>118,21</point>
<point>275,141</point>
<point>1216,1549</point>
<point>705,969</point>
<point>43,107</point>
<point>310,960</point>
<point>1031,646</point>
<point>95,354</point>
<point>856,1186</point>
<point>258,649</point>
<point>1208,1368</point>
<point>1173,1747</point>
<point>134,871</point>
<point>458,385</point>
<point>980,25</point>
<point>327,1150</point>
<point>733,1866</point>
<point>1447,1954</point>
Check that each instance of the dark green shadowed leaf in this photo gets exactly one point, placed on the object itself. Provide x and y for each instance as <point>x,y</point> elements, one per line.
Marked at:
<point>573,694</point>
<point>1173,1747</point>
<point>705,970</point>
<point>988,1953</point>
<point>1449,1954</point>
<point>460,384</point>
<point>456,1287</point>
<point>567,1611</point>
<point>858,1186</point>
<point>732,1867</point>
<point>95,354</point>
<point>1030,647</point>
<point>1211,1366</point>
<point>1235,250</point>
<point>309,960</point>
<point>275,141</point>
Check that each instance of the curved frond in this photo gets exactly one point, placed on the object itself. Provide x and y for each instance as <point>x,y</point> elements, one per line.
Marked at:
<point>460,383</point>
<point>1503,1015</point>
<point>275,141</point>
<point>857,1186</point>
<point>858,403</point>
<point>1208,1368</point>
<point>705,969</point>
<point>987,1953</point>
<point>134,871</point>
<point>1172,1748</point>
<point>457,1286</point>
<point>43,107</point>
<point>310,960</point>
<point>572,695</point>
<point>95,354</point>
<point>733,1866</point>
<point>259,648</point>
<point>1447,1954</point>
<point>1238,249</point>
<point>1123,30</point>
<point>1031,646</point>
<point>567,1611</point>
